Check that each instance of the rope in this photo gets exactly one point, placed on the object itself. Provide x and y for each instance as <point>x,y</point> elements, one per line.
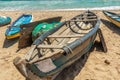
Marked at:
<point>69,49</point>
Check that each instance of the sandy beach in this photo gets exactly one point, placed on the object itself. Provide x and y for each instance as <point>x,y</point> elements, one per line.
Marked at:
<point>95,67</point>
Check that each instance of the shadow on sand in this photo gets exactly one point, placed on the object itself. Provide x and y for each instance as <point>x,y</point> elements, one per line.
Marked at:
<point>97,46</point>
<point>111,26</point>
<point>8,43</point>
<point>73,70</point>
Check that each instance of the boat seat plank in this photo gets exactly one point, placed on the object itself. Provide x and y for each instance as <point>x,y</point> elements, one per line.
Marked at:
<point>87,17</point>
<point>65,36</point>
<point>82,20</point>
<point>50,46</point>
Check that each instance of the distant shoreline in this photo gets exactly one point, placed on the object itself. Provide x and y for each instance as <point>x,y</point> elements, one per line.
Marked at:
<point>74,9</point>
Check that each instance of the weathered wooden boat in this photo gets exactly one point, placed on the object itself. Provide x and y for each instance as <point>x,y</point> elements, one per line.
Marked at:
<point>113,17</point>
<point>4,20</point>
<point>26,38</point>
<point>59,47</point>
<point>13,31</point>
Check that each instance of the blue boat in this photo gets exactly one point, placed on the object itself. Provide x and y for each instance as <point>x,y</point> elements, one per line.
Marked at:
<point>13,31</point>
<point>59,47</point>
<point>113,17</point>
<point>4,20</point>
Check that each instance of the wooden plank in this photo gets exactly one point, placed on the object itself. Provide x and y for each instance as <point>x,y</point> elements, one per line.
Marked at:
<point>65,36</point>
<point>50,46</point>
<point>102,40</point>
<point>82,20</point>
<point>30,52</point>
<point>87,17</point>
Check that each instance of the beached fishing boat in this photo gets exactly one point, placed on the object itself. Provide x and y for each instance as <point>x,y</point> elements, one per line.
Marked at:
<point>59,47</point>
<point>29,32</point>
<point>4,20</point>
<point>113,17</point>
<point>13,31</point>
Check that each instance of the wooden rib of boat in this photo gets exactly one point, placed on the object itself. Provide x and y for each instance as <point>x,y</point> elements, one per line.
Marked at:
<point>113,17</point>
<point>13,31</point>
<point>26,31</point>
<point>60,47</point>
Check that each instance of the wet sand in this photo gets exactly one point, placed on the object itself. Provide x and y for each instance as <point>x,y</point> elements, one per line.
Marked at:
<point>94,68</point>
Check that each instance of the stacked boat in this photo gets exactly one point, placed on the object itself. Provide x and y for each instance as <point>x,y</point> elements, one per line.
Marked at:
<point>59,47</point>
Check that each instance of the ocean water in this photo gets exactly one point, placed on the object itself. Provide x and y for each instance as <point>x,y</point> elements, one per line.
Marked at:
<point>12,5</point>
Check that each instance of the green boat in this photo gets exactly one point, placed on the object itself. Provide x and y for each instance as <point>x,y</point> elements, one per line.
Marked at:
<point>59,47</point>
<point>29,32</point>
<point>4,20</point>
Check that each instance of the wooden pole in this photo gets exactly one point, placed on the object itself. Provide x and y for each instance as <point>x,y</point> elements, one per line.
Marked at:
<point>102,40</point>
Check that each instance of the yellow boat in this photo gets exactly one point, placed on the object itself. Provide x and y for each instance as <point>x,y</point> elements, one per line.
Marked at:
<point>113,17</point>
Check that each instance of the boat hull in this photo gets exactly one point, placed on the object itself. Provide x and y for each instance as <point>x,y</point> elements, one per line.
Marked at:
<point>78,48</point>
<point>4,20</point>
<point>68,60</point>
<point>62,56</point>
<point>117,23</point>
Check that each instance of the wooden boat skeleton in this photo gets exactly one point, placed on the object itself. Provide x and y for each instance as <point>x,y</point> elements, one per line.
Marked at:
<point>61,36</point>
<point>69,38</point>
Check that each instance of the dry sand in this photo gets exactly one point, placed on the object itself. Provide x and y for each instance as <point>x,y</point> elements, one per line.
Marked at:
<point>95,67</point>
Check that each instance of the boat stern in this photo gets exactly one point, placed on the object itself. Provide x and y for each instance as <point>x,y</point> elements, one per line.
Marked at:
<point>21,66</point>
